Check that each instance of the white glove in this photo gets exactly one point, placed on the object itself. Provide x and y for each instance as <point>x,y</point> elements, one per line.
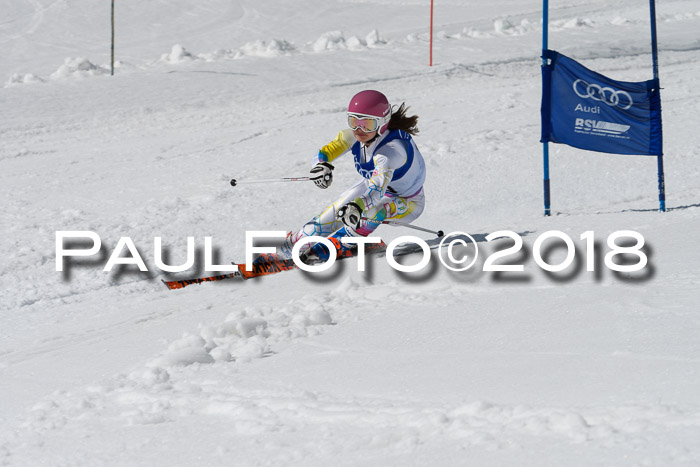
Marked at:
<point>322,174</point>
<point>351,215</point>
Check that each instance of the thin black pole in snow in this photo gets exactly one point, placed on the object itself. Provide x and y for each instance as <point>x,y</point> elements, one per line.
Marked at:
<point>431,32</point>
<point>112,58</point>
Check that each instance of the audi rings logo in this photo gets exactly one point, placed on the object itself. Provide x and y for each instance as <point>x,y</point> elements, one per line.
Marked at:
<point>610,96</point>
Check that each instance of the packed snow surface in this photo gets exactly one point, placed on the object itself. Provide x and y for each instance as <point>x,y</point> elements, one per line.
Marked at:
<point>575,367</point>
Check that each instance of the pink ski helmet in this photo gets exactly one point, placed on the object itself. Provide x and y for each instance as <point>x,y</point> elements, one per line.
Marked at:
<point>371,103</point>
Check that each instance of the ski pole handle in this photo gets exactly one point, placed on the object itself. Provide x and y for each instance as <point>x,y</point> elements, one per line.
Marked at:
<point>235,182</point>
<point>439,233</point>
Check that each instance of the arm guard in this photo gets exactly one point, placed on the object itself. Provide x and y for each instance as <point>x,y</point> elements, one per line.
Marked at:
<point>337,147</point>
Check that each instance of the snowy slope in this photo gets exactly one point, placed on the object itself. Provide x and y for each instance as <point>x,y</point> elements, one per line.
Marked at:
<point>381,368</point>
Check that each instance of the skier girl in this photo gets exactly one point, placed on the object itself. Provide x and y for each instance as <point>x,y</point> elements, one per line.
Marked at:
<point>391,166</point>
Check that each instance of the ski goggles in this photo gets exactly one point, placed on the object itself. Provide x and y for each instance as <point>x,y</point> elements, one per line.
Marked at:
<point>366,123</point>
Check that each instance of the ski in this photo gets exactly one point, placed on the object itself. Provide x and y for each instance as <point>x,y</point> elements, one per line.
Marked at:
<point>262,268</point>
<point>179,284</point>
<point>269,264</point>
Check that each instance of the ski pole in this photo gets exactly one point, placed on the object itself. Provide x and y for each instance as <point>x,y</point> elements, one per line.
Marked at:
<point>235,182</point>
<point>439,233</point>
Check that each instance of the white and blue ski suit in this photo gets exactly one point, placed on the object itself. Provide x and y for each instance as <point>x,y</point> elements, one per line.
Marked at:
<point>393,173</point>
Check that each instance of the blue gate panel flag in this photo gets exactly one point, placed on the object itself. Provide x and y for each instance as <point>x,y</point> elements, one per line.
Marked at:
<point>586,110</point>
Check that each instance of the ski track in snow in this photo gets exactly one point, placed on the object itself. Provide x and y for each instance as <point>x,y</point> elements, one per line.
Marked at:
<point>194,383</point>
